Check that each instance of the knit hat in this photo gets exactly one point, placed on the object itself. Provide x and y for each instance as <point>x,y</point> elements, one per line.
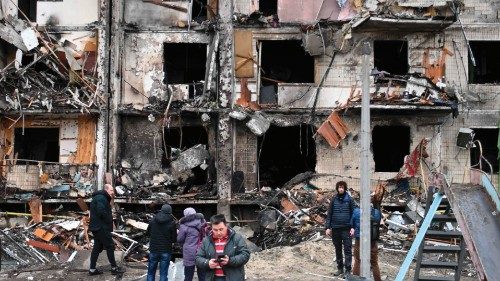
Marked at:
<point>166,209</point>
<point>189,211</point>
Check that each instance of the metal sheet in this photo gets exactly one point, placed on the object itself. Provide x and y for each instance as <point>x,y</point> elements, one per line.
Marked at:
<point>480,223</point>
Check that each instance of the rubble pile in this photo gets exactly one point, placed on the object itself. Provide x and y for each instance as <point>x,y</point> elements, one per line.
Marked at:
<point>48,72</point>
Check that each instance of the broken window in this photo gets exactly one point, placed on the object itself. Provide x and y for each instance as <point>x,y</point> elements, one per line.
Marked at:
<point>7,53</point>
<point>283,62</point>
<point>199,10</point>
<point>284,152</point>
<point>487,57</point>
<point>391,56</point>
<point>178,139</point>
<point>40,144</point>
<point>184,63</point>
<point>489,142</point>
<point>390,145</point>
<point>268,7</point>
<point>28,7</point>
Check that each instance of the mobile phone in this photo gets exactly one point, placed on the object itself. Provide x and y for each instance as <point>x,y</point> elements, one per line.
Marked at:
<point>220,257</point>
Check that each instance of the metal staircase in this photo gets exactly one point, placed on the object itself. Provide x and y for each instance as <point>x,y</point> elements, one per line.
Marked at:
<point>454,251</point>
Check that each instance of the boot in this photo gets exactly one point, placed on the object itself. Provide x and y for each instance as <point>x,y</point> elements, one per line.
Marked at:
<point>338,272</point>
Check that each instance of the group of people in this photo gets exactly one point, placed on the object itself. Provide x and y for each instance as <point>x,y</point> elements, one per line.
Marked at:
<point>215,252</point>
<point>342,224</point>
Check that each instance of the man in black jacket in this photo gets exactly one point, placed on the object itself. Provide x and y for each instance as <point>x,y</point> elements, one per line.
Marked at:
<point>338,225</point>
<point>162,233</point>
<point>101,225</point>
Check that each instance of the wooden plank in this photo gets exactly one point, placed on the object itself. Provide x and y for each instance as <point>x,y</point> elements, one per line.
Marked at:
<point>243,54</point>
<point>85,152</point>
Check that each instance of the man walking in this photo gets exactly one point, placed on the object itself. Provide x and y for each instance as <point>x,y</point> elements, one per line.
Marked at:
<point>101,225</point>
<point>223,253</point>
<point>338,225</point>
<point>162,233</point>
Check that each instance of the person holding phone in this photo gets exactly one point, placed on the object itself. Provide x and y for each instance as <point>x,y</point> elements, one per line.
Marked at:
<point>223,253</point>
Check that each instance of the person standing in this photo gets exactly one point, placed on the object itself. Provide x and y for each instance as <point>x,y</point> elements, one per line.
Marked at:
<point>338,226</point>
<point>223,253</point>
<point>375,217</point>
<point>101,225</point>
<point>162,234</point>
<point>191,233</point>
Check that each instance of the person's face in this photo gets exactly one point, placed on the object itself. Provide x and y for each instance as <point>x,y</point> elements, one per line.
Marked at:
<point>110,191</point>
<point>219,230</point>
<point>341,189</point>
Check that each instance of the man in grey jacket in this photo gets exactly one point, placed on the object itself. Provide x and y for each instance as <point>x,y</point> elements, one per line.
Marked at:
<point>223,253</point>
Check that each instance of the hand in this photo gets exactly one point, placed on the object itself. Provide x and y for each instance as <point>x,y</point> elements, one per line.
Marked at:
<point>212,263</point>
<point>351,232</point>
<point>328,232</point>
<point>224,260</point>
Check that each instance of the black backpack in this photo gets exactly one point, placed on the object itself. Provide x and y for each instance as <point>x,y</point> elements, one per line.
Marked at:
<point>374,226</point>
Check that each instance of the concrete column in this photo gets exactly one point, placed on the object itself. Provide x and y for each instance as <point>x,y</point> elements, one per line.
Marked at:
<point>225,94</point>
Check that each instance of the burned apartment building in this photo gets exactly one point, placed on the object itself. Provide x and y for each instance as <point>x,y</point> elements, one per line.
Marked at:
<point>215,103</point>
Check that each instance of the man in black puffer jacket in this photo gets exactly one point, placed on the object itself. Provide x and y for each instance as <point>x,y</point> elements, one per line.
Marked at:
<point>338,225</point>
<point>162,233</point>
<point>101,225</point>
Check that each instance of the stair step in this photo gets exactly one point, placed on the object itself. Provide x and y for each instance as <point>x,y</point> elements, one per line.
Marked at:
<point>441,249</point>
<point>438,264</point>
<point>436,278</point>
<point>443,234</point>
<point>444,218</point>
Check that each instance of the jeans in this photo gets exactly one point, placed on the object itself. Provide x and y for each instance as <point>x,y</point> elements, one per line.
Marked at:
<point>154,259</point>
<point>342,238</point>
<point>373,260</point>
<point>102,241</point>
<point>189,273</point>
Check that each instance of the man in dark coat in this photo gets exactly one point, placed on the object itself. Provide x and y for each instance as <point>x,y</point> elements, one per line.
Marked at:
<point>338,225</point>
<point>223,253</point>
<point>162,233</point>
<point>190,236</point>
<point>101,225</point>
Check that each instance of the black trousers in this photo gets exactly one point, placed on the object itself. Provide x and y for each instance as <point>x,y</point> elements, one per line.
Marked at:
<point>102,241</point>
<point>342,239</point>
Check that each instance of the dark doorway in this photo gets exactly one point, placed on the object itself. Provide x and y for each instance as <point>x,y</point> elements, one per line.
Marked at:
<point>487,59</point>
<point>178,139</point>
<point>28,7</point>
<point>184,63</point>
<point>268,7</point>
<point>489,142</point>
<point>391,56</point>
<point>284,152</point>
<point>390,145</point>
<point>41,144</point>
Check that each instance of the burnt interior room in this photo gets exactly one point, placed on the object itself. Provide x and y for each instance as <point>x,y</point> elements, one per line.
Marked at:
<point>7,53</point>
<point>28,7</point>
<point>40,144</point>
<point>391,56</point>
<point>489,142</point>
<point>487,57</point>
<point>268,7</point>
<point>278,66</point>
<point>284,152</point>
<point>199,10</point>
<point>184,63</point>
<point>390,144</point>
<point>178,139</point>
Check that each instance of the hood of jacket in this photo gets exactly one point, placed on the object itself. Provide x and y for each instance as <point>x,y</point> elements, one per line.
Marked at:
<point>192,220</point>
<point>102,192</point>
<point>162,217</point>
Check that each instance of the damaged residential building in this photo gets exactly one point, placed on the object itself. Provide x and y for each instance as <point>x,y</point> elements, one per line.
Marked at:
<point>219,104</point>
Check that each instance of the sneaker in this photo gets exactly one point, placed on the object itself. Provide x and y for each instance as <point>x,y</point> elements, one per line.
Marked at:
<point>347,274</point>
<point>338,272</point>
<point>117,270</point>
<point>95,272</point>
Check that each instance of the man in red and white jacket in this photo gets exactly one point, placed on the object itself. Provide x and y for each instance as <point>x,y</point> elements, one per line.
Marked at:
<point>223,253</point>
